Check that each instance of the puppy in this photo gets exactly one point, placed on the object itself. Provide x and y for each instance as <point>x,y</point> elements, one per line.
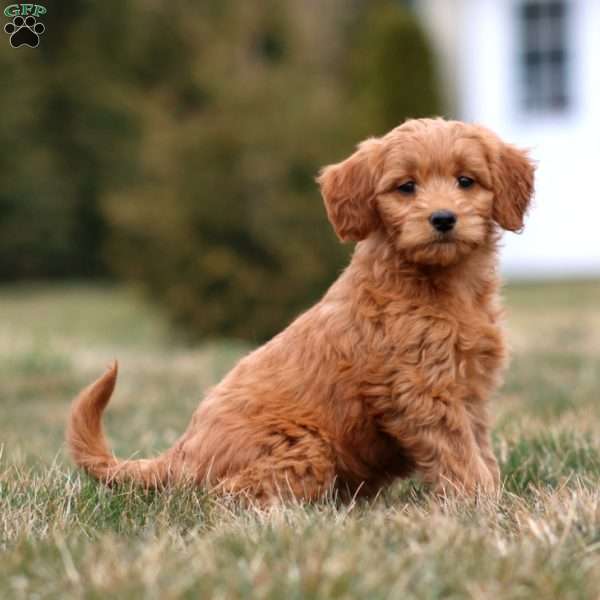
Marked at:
<point>391,372</point>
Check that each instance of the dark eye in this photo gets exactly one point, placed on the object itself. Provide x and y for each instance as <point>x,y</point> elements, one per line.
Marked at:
<point>465,182</point>
<point>407,187</point>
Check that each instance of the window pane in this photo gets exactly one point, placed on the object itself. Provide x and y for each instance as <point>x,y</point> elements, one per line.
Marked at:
<point>543,55</point>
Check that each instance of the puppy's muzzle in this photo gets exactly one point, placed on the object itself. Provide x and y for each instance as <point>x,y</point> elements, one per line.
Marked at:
<point>443,220</point>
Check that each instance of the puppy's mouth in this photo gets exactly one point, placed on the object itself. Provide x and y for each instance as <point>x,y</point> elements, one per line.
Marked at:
<point>443,249</point>
<point>442,238</point>
<point>445,238</point>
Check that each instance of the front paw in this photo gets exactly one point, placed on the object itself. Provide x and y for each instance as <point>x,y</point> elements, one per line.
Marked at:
<point>494,469</point>
<point>486,481</point>
<point>478,480</point>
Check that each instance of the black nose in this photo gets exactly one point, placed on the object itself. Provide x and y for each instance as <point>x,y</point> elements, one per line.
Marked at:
<point>443,220</point>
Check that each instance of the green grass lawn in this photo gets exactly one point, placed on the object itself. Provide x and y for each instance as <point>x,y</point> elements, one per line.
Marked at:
<point>62,535</point>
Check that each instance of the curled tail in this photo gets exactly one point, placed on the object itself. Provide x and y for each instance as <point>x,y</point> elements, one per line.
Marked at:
<point>87,443</point>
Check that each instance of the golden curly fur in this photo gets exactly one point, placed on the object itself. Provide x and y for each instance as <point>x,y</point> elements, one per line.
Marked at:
<point>391,372</point>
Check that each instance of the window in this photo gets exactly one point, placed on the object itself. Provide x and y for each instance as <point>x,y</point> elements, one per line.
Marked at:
<point>544,56</point>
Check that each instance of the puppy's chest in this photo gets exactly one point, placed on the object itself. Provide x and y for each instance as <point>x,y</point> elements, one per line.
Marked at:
<point>432,348</point>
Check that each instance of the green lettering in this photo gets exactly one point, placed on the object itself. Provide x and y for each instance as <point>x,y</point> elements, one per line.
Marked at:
<point>11,11</point>
<point>26,9</point>
<point>39,10</point>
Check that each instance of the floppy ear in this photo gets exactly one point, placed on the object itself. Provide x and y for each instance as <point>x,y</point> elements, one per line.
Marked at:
<point>512,180</point>
<point>348,190</point>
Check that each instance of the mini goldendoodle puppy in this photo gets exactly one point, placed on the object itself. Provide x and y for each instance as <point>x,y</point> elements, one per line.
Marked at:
<point>391,372</point>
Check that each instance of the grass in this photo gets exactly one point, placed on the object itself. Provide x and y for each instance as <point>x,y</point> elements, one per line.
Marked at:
<point>62,535</point>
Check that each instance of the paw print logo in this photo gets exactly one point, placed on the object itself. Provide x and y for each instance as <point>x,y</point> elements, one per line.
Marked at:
<point>24,32</point>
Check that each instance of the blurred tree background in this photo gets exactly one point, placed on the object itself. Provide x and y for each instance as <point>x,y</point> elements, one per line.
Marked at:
<point>175,145</point>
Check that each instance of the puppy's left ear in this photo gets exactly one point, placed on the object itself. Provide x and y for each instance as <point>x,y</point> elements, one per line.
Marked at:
<point>512,180</point>
<point>348,190</point>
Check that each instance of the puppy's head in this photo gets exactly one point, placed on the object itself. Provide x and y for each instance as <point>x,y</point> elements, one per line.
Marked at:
<point>437,188</point>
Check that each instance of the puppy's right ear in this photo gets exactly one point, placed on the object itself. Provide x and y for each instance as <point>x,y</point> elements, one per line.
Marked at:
<point>348,189</point>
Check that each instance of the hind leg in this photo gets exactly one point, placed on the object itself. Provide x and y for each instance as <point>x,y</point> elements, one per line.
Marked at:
<point>295,468</point>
